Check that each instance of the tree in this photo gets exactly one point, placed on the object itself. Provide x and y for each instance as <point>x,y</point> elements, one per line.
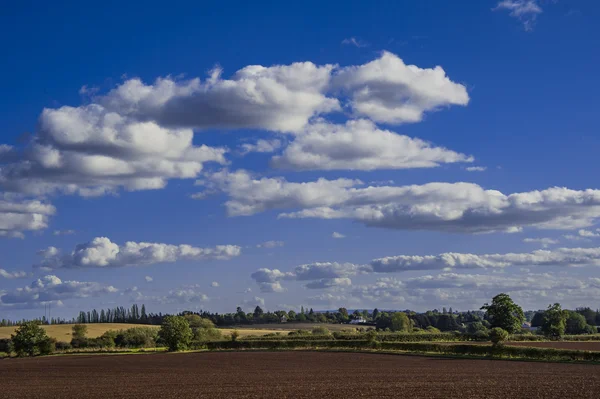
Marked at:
<point>504,313</point>
<point>575,323</point>
<point>538,319</point>
<point>375,313</point>
<point>258,312</point>
<point>79,331</point>
<point>589,314</point>
<point>30,339</point>
<point>498,335</point>
<point>175,332</point>
<point>203,329</point>
<point>400,322</point>
<point>555,322</point>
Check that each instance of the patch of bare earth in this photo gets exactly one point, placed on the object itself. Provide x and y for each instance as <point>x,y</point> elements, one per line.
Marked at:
<point>291,375</point>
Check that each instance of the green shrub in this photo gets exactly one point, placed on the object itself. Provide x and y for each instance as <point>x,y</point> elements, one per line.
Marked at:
<point>62,346</point>
<point>176,333</point>
<point>498,335</point>
<point>47,346</point>
<point>136,337</point>
<point>320,330</point>
<point>235,334</point>
<point>5,345</point>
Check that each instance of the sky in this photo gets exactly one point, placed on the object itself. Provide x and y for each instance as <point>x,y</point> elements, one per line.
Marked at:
<point>399,155</point>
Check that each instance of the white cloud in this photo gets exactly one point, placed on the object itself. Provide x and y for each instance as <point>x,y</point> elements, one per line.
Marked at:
<point>455,207</point>
<point>588,233</point>
<point>63,232</point>
<point>450,260</point>
<point>337,235</point>
<point>546,242</point>
<point>251,304</point>
<point>51,289</point>
<point>90,150</point>
<point>11,275</point>
<point>261,146</point>
<point>182,296</point>
<point>476,169</point>
<point>277,98</point>
<point>214,284</point>
<point>316,275</point>
<point>148,279</point>
<point>103,253</point>
<point>360,145</point>
<point>270,244</point>
<point>525,11</point>
<point>389,91</point>
<point>352,41</point>
<point>18,216</point>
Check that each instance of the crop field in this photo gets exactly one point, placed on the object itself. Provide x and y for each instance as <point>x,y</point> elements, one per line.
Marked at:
<point>292,374</point>
<point>62,332</point>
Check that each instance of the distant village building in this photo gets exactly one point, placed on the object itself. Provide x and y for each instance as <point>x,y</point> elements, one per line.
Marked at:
<point>527,326</point>
<point>359,320</point>
<point>283,319</point>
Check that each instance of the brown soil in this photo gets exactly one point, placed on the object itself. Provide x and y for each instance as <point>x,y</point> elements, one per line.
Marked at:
<point>291,375</point>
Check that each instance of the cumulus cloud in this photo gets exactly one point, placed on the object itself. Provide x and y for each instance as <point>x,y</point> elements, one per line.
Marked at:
<point>148,279</point>
<point>277,98</point>
<point>470,290</point>
<point>544,241</point>
<point>214,284</point>
<point>51,289</point>
<point>270,244</point>
<point>450,260</point>
<point>360,145</point>
<point>389,91</point>
<point>101,252</point>
<point>525,11</point>
<point>318,275</point>
<point>11,275</point>
<point>251,304</point>
<point>18,216</point>
<point>454,207</point>
<point>90,150</point>
<point>337,235</point>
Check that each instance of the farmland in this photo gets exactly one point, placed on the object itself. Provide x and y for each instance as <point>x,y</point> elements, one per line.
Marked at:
<point>62,332</point>
<point>287,374</point>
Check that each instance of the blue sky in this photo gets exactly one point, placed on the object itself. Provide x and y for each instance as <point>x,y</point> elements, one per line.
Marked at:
<point>147,152</point>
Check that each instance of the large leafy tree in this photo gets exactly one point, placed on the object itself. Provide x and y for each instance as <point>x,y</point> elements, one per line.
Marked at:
<point>555,322</point>
<point>504,313</point>
<point>176,333</point>
<point>575,323</point>
<point>400,322</point>
<point>31,339</point>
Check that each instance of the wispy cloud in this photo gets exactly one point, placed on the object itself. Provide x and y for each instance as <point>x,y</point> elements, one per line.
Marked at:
<point>352,41</point>
<point>525,11</point>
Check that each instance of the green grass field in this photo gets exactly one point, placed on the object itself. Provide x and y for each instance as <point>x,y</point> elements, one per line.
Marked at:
<point>62,332</point>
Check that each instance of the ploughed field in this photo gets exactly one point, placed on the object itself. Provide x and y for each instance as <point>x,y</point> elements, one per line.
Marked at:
<point>291,374</point>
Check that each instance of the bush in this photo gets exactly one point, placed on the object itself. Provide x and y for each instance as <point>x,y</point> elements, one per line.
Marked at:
<point>30,339</point>
<point>320,330</point>
<point>498,335</point>
<point>62,346</point>
<point>235,334</point>
<point>5,345</point>
<point>47,346</point>
<point>176,333</point>
<point>136,337</point>
<point>80,343</point>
